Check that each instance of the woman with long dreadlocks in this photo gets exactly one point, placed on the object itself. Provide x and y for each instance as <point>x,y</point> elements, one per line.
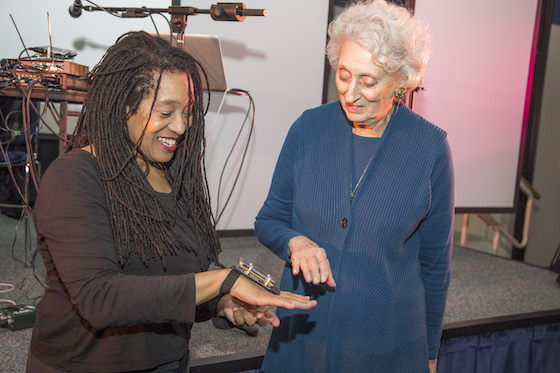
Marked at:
<point>125,229</point>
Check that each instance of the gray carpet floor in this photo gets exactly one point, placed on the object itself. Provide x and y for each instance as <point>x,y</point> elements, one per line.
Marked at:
<point>482,286</point>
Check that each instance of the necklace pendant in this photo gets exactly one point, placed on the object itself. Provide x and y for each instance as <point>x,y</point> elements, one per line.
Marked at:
<point>351,197</point>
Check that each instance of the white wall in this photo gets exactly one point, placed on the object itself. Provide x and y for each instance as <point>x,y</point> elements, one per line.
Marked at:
<point>476,84</point>
<point>279,59</point>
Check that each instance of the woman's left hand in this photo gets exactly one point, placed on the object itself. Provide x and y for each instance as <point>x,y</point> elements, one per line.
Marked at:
<point>241,314</point>
<point>433,365</point>
<point>306,256</point>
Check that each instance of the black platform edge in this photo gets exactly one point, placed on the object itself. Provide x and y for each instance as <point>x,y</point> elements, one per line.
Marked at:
<point>253,360</point>
<point>236,233</point>
<point>495,324</point>
<point>229,363</point>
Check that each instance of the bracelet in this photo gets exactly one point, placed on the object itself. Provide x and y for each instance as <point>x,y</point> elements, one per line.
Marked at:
<point>229,281</point>
<point>260,277</point>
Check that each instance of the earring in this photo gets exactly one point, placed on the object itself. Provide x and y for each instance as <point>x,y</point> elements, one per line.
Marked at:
<point>400,92</point>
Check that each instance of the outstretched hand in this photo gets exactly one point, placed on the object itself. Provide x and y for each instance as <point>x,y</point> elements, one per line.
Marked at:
<point>311,260</point>
<point>253,294</point>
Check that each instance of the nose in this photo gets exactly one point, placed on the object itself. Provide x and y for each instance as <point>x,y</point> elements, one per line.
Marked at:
<point>353,92</point>
<point>179,124</point>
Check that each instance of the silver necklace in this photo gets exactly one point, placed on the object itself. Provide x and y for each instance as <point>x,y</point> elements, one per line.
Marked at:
<point>360,179</point>
<point>370,159</point>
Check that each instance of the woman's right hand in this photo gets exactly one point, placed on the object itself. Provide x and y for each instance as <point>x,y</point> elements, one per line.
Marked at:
<point>253,294</point>
<point>311,260</point>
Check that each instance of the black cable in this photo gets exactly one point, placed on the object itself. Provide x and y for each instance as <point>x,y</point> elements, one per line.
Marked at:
<point>35,252</point>
<point>29,134</point>
<point>150,13</point>
<point>15,238</point>
<point>13,177</point>
<point>48,104</point>
<point>6,128</point>
<point>251,106</point>
<point>154,23</point>
<point>33,299</point>
<point>9,165</point>
<point>103,9</point>
<point>20,38</point>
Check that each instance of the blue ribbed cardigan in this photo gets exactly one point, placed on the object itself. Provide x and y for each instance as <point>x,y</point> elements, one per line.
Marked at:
<point>390,249</point>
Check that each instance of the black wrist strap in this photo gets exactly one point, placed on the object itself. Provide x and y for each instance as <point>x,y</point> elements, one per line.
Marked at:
<point>229,281</point>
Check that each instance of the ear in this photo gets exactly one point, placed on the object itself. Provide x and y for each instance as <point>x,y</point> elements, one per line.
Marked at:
<point>129,113</point>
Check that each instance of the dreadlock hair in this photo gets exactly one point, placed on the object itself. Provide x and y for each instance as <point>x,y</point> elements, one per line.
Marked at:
<point>130,71</point>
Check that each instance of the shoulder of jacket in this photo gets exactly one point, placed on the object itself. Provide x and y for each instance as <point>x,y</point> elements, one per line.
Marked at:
<point>420,126</point>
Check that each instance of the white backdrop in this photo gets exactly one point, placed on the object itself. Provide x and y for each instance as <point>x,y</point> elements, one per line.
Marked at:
<point>476,83</point>
<point>279,59</point>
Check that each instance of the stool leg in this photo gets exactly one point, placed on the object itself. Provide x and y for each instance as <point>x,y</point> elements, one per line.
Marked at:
<point>26,254</point>
<point>464,229</point>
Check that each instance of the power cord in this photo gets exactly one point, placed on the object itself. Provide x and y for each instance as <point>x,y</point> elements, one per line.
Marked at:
<point>219,212</point>
<point>10,287</point>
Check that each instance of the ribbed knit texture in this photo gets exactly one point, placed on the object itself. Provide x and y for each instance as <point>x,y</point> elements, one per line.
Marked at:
<point>390,262</point>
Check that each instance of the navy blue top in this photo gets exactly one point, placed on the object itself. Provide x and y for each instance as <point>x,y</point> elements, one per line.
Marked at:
<point>390,249</point>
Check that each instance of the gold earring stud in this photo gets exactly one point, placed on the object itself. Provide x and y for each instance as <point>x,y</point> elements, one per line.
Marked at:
<point>400,92</point>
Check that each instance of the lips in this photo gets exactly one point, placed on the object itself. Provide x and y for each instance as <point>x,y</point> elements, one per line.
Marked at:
<point>168,143</point>
<point>354,109</point>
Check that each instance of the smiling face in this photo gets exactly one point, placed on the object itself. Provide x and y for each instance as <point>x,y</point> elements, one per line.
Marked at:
<point>365,89</point>
<point>168,121</point>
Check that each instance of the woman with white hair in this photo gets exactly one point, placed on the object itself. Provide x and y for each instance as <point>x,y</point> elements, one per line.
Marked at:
<point>363,193</point>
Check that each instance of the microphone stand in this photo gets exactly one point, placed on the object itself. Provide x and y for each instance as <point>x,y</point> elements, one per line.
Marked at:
<point>179,14</point>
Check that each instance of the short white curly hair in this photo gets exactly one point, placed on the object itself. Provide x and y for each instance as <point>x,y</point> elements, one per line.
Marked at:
<point>399,42</point>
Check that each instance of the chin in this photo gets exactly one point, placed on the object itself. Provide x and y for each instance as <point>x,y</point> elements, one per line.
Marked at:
<point>355,118</point>
<point>164,158</point>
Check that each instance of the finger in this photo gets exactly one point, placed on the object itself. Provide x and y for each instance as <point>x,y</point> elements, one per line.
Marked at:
<point>271,317</point>
<point>262,320</point>
<point>248,318</point>
<point>260,313</point>
<point>260,316</point>
<point>306,270</point>
<point>295,265</point>
<point>294,296</point>
<point>314,270</point>
<point>228,313</point>
<point>291,301</point>
<point>238,316</point>
<point>326,272</point>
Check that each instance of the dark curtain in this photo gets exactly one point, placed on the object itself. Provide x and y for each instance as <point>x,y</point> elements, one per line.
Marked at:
<point>526,350</point>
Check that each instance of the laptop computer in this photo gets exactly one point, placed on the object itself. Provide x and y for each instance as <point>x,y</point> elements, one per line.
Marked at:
<point>207,50</point>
